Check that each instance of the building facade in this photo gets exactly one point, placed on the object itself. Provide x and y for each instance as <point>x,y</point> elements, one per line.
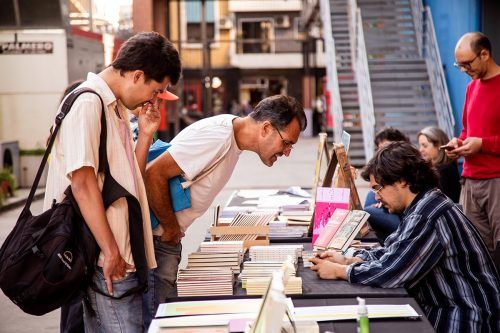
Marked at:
<point>247,51</point>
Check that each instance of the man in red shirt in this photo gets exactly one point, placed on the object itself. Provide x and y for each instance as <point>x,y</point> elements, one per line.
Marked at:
<point>479,141</point>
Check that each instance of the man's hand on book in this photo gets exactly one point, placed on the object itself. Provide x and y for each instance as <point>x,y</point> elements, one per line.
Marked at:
<point>333,256</point>
<point>328,270</point>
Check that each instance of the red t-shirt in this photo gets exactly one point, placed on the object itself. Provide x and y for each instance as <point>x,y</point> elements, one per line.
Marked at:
<point>481,118</point>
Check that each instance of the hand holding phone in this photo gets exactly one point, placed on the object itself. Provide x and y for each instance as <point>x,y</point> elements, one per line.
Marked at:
<point>446,147</point>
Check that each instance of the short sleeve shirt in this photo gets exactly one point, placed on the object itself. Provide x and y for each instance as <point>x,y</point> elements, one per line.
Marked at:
<point>196,149</point>
<point>77,146</point>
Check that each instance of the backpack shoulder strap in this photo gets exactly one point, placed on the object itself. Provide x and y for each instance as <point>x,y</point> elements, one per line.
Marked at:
<point>65,109</point>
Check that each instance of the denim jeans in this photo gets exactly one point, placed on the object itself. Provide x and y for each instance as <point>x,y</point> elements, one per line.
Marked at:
<point>114,315</point>
<point>163,279</point>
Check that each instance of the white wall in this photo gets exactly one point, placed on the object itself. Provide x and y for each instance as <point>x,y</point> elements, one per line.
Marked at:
<point>30,87</point>
<point>86,55</point>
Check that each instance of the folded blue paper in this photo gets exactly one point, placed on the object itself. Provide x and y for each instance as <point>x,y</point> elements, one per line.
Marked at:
<point>180,198</point>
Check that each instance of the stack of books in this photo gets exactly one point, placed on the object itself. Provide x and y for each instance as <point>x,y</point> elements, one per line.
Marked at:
<point>208,282</point>
<point>281,229</point>
<point>258,286</point>
<point>208,260</point>
<point>341,229</point>
<point>296,217</point>
<point>248,220</point>
<point>261,269</point>
<point>222,246</point>
<point>276,252</point>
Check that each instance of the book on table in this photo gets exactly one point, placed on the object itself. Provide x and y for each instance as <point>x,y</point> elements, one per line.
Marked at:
<point>328,199</point>
<point>341,229</point>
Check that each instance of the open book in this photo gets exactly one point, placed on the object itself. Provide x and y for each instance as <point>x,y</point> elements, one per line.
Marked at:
<point>341,229</point>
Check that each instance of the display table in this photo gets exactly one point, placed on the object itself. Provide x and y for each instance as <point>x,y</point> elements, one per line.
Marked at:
<point>421,325</point>
<point>314,287</point>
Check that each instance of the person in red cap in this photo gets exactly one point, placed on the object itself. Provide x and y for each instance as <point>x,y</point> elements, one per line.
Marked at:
<point>134,114</point>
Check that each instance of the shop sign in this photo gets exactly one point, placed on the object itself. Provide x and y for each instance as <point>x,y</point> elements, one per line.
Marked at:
<point>38,47</point>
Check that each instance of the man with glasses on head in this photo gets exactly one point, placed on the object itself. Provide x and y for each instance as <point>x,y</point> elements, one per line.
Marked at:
<point>270,131</point>
<point>436,253</point>
<point>479,141</point>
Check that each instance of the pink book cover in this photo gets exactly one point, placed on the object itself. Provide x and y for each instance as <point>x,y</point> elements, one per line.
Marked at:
<point>331,228</point>
<point>328,199</point>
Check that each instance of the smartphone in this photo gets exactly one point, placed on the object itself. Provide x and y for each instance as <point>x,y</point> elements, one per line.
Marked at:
<point>446,147</point>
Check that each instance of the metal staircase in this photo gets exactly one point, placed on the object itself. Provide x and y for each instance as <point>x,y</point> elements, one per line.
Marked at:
<point>383,69</point>
<point>347,80</point>
<point>402,93</point>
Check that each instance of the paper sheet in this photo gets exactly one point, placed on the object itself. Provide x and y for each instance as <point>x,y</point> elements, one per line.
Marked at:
<point>277,201</point>
<point>343,312</point>
<point>208,307</point>
<point>204,320</point>
<point>252,194</point>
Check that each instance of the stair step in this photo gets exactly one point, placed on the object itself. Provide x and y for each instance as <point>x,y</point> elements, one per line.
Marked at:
<point>387,75</point>
<point>404,95</point>
<point>404,110</point>
<point>383,2</point>
<point>396,61</point>
<point>399,84</point>
<point>394,101</point>
<point>398,67</point>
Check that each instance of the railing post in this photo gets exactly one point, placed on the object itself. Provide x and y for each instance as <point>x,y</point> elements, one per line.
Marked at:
<point>364,90</point>
<point>437,78</point>
<point>417,14</point>
<point>331,71</point>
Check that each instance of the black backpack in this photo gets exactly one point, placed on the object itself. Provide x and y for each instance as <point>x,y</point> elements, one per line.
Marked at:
<point>48,259</point>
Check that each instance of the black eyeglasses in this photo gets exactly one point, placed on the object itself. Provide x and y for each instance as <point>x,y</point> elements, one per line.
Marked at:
<point>466,64</point>
<point>286,144</point>
<point>376,188</point>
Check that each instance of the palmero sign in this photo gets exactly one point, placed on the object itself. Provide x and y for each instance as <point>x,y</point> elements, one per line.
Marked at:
<point>38,47</point>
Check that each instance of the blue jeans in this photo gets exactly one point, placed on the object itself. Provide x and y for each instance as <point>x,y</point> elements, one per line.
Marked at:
<point>163,279</point>
<point>114,315</point>
<point>380,220</point>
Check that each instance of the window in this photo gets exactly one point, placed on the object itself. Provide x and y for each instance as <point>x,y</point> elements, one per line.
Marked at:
<point>193,19</point>
<point>32,13</point>
<point>256,36</point>
<point>7,14</point>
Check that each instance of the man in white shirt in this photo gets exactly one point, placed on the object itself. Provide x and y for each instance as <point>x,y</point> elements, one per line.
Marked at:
<point>270,131</point>
<point>145,65</point>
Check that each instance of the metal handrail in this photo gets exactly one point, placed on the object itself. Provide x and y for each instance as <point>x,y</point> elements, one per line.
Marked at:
<point>352,6</point>
<point>331,71</point>
<point>362,76</point>
<point>364,90</point>
<point>418,20</point>
<point>437,78</point>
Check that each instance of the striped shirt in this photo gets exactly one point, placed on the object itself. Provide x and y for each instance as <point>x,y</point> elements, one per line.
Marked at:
<point>440,258</point>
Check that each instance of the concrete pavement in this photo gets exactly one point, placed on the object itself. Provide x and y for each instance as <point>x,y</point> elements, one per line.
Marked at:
<point>298,169</point>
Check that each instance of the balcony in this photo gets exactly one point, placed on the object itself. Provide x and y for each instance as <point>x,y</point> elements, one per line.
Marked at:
<point>264,6</point>
<point>266,52</point>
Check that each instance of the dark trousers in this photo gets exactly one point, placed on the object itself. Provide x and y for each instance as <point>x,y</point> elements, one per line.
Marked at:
<point>72,316</point>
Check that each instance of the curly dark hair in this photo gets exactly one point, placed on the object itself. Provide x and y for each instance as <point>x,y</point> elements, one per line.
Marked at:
<point>151,53</point>
<point>400,161</point>
<point>280,110</point>
<point>390,134</point>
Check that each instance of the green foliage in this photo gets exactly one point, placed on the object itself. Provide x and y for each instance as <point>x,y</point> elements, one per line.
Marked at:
<point>7,184</point>
<point>32,152</point>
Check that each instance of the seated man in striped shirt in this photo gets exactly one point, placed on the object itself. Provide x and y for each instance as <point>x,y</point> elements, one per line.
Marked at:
<point>436,253</point>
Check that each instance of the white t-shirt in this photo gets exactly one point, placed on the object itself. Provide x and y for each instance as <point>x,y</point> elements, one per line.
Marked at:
<point>196,149</point>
